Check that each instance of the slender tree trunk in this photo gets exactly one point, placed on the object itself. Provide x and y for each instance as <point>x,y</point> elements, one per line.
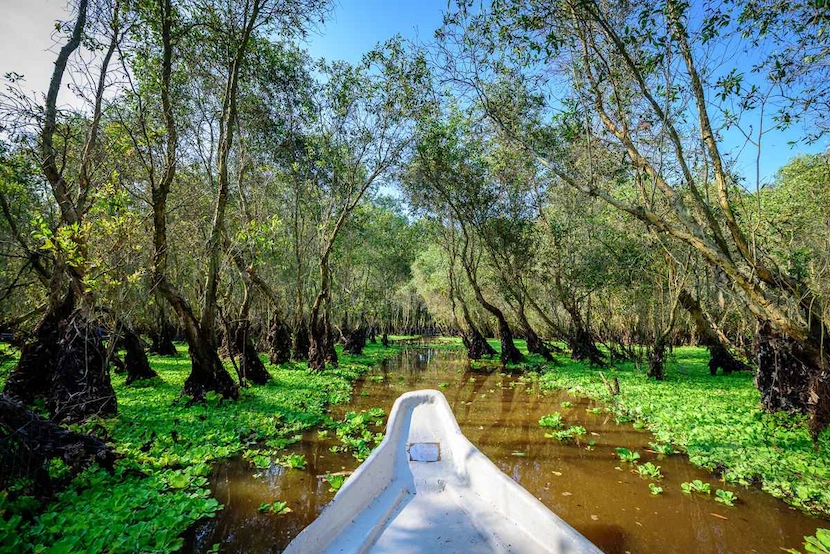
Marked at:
<point>509,352</point>
<point>207,371</point>
<point>163,334</point>
<point>477,345</point>
<point>302,341</point>
<point>535,345</point>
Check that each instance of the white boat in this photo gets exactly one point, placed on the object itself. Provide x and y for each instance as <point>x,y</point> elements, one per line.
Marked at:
<point>426,488</point>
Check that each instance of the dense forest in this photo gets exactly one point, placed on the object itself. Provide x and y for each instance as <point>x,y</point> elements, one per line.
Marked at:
<point>580,177</point>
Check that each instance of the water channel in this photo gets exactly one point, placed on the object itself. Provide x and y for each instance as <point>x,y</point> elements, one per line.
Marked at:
<point>584,483</point>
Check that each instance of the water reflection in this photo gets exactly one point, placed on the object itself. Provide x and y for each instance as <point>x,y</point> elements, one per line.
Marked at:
<point>583,482</point>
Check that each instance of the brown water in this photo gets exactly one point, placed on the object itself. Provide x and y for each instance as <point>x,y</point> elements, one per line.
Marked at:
<point>586,485</point>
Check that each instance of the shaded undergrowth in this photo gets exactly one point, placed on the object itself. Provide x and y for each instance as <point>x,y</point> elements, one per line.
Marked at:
<point>159,487</point>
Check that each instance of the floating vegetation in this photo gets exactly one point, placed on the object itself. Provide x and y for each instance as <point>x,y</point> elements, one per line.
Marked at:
<point>626,455</point>
<point>568,434</point>
<point>551,421</point>
<point>278,508</point>
<point>649,471</point>
<point>726,497</point>
<point>335,481</point>
<point>697,486</point>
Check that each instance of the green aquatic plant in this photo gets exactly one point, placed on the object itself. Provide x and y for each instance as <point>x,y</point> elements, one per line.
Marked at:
<point>568,434</point>
<point>726,497</point>
<point>626,455</point>
<point>664,449</point>
<point>293,461</point>
<point>649,471</point>
<point>551,421</point>
<point>816,544</point>
<point>566,404</point>
<point>697,486</point>
<point>694,414</point>
<point>655,490</point>
<point>594,411</point>
<point>358,432</point>
<point>335,481</point>
<point>278,507</point>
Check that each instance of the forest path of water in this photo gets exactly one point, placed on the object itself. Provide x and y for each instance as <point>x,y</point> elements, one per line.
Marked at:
<point>584,483</point>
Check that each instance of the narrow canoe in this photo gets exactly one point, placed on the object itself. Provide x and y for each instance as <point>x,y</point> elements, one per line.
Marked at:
<point>426,488</point>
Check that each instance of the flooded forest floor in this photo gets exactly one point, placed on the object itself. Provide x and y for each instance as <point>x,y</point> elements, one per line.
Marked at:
<point>631,471</point>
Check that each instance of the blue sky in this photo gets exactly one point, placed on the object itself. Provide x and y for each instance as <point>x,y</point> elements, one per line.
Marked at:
<point>357,25</point>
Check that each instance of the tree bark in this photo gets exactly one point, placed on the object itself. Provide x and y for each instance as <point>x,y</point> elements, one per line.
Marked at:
<point>163,334</point>
<point>207,372</point>
<point>720,356</point>
<point>301,342</point>
<point>135,360</point>
<point>40,440</point>
<point>509,352</point>
<point>279,341</point>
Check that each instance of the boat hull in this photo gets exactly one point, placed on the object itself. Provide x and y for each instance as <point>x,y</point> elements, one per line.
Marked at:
<point>426,488</point>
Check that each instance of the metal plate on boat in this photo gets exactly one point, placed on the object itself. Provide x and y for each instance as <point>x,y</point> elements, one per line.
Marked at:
<point>424,451</point>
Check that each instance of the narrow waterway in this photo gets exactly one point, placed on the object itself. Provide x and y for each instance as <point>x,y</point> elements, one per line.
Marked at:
<point>583,482</point>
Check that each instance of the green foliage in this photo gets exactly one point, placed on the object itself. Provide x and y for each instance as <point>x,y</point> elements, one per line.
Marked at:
<point>655,490</point>
<point>571,433</point>
<point>335,481</point>
<point>697,486</point>
<point>566,404</point>
<point>159,487</point>
<point>649,471</point>
<point>726,497</point>
<point>627,455</point>
<point>278,507</point>
<point>817,544</point>
<point>719,424</point>
<point>358,432</point>
<point>664,449</point>
<point>551,421</point>
<point>594,411</point>
<point>293,461</point>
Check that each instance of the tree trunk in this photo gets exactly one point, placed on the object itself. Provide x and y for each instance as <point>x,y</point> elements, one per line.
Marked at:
<point>302,342</point>
<point>279,342</point>
<point>30,441</point>
<point>81,381</point>
<point>32,377</point>
<point>384,340</point>
<point>163,335</point>
<point>720,356</point>
<point>66,365</point>
<point>477,345</point>
<point>509,352</point>
<point>355,341</point>
<point>317,346</point>
<point>535,345</point>
<point>251,365</point>
<point>581,340</point>
<point>656,359</point>
<point>783,378</point>
<point>135,360</point>
<point>207,371</point>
